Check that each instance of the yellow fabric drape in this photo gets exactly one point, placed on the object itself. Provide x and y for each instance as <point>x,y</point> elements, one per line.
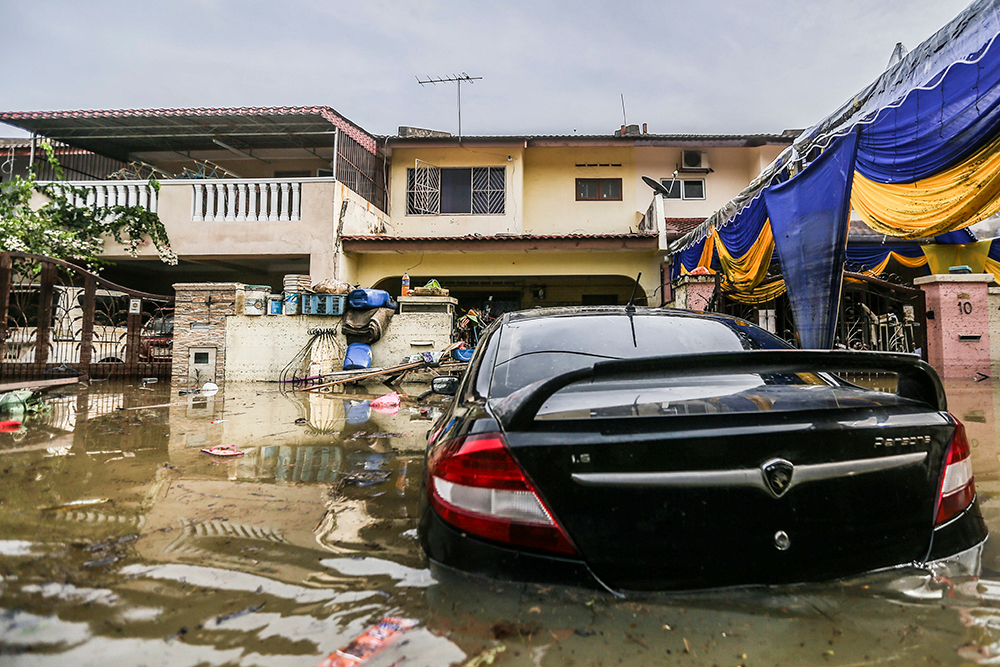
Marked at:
<point>956,198</point>
<point>706,255</point>
<point>759,294</point>
<point>992,266</point>
<point>912,262</point>
<point>746,272</point>
<point>941,256</point>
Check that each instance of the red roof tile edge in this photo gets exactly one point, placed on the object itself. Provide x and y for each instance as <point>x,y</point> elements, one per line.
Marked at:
<point>513,237</point>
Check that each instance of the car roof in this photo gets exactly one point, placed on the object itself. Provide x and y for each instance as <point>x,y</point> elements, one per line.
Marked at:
<point>585,311</point>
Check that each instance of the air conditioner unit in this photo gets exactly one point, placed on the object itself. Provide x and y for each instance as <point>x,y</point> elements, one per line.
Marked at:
<point>694,160</point>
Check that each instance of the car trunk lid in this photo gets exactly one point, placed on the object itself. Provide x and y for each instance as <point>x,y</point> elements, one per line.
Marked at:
<point>672,475</point>
<point>749,499</point>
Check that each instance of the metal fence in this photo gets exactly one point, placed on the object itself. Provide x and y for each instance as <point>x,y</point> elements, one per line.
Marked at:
<point>60,320</point>
<point>875,314</point>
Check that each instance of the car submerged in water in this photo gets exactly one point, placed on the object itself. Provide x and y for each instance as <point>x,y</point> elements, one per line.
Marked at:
<point>641,449</point>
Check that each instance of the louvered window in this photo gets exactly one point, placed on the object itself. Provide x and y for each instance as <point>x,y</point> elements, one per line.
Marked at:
<point>475,190</point>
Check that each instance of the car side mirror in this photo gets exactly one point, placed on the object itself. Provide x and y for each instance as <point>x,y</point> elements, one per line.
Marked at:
<point>445,384</point>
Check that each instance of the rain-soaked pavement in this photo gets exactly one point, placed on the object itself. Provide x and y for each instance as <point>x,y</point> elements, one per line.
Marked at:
<point>283,555</point>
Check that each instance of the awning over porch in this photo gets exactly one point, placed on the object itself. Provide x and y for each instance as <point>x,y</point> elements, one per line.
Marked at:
<point>121,132</point>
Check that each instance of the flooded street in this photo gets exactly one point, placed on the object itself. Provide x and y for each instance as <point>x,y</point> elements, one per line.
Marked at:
<point>122,543</point>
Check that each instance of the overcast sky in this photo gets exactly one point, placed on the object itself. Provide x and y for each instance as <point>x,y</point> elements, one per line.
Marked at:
<point>707,66</point>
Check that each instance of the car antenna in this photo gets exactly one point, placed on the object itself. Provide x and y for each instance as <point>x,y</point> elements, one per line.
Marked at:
<point>630,309</point>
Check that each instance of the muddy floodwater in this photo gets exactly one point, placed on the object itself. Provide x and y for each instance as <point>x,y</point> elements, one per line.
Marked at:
<point>121,543</point>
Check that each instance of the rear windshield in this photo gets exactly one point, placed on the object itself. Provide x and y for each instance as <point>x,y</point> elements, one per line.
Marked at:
<point>537,349</point>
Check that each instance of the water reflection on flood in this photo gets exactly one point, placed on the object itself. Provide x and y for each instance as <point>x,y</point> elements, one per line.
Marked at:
<point>286,553</point>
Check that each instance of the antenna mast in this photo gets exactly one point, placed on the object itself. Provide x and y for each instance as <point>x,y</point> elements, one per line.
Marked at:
<point>452,79</point>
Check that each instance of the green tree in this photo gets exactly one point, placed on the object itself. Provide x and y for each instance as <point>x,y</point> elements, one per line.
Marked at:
<point>61,229</point>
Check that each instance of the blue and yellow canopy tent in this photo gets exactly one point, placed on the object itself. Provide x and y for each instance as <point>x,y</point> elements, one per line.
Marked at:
<point>916,154</point>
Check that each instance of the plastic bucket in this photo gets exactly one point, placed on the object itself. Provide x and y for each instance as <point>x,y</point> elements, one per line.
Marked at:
<point>274,303</point>
<point>256,300</point>
<point>291,304</point>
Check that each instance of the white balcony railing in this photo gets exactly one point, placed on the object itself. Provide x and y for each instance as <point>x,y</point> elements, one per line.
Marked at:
<point>236,200</point>
<point>276,199</point>
<point>113,193</point>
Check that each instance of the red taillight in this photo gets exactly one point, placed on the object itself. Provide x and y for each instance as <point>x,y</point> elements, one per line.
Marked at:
<point>958,488</point>
<point>476,486</point>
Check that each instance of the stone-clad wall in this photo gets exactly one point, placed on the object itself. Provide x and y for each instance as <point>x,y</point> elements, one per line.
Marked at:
<point>200,304</point>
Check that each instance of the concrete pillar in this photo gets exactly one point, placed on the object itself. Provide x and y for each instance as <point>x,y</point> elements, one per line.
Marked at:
<point>200,316</point>
<point>958,323</point>
<point>693,292</point>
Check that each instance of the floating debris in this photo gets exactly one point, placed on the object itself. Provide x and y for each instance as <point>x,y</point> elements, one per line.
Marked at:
<point>219,620</point>
<point>76,504</point>
<point>374,436</point>
<point>365,478</point>
<point>223,450</point>
<point>487,657</point>
<point>371,642</point>
<point>107,560</point>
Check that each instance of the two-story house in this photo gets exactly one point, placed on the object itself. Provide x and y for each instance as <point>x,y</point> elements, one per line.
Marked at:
<point>547,220</point>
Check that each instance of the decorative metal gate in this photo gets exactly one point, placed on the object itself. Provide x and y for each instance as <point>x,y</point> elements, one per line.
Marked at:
<point>874,315</point>
<point>60,320</point>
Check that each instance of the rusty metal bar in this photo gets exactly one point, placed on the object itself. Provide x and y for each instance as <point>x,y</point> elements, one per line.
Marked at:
<point>87,332</point>
<point>44,328</point>
<point>6,269</point>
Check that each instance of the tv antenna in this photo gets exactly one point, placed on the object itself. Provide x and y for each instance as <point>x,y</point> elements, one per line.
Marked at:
<point>452,79</point>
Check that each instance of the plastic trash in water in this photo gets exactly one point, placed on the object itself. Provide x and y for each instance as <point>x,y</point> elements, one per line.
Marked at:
<point>388,404</point>
<point>223,450</point>
<point>10,426</point>
<point>371,642</point>
<point>358,413</point>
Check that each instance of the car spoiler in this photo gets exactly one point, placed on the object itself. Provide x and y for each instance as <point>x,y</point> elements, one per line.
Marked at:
<point>915,379</point>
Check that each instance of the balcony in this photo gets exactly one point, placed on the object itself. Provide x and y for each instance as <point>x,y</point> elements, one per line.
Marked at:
<point>255,219</point>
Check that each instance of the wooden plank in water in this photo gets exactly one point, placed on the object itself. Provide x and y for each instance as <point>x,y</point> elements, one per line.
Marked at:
<point>38,384</point>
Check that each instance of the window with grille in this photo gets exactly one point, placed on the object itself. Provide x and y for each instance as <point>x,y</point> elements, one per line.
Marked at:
<point>437,191</point>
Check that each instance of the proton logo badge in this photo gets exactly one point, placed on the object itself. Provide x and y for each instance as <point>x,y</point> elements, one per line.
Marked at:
<point>777,476</point>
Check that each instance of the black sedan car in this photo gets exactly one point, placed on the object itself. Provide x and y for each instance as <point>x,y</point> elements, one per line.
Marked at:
<point>650,449</point>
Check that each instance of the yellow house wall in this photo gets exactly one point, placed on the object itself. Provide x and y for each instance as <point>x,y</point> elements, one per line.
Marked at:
<point>765,156</point>
<point>550,205</point>
<point>368,270</point>
<point>458,225</point>
<point>732,170</point>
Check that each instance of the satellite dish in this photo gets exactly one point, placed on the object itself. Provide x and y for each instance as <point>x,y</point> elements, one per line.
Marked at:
<point>656,185</point>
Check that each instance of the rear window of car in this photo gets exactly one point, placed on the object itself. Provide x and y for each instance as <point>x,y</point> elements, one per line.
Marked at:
<point>537,349</point>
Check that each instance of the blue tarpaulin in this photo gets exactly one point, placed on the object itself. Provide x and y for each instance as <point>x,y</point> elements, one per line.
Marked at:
<point>936,126</point>
<point>809,217</point>
<point>959,236</point>
<point>869,255</point>
<point>742,232</point>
